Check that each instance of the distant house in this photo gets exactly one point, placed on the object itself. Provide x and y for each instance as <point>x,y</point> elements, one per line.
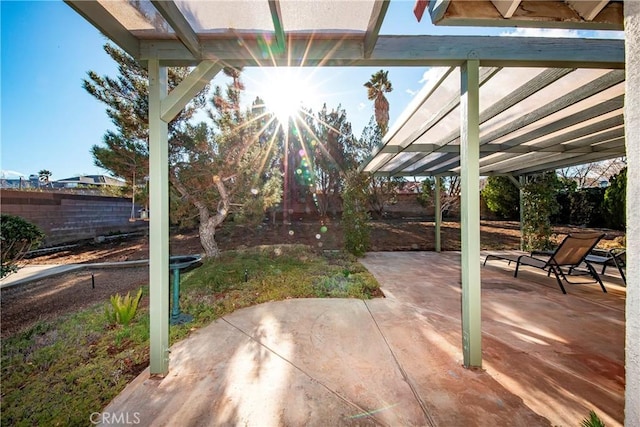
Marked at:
<point>88,181</point>
<point>409,187</point>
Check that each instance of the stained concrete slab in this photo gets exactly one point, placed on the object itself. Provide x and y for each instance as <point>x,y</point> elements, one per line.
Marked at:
<point>30,273</point>
<point>548,358</point>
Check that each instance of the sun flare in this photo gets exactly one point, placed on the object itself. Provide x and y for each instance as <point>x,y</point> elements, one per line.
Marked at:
<point>286,91</point>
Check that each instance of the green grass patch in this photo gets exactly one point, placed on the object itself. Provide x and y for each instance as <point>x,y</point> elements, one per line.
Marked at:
<point>59,372</point>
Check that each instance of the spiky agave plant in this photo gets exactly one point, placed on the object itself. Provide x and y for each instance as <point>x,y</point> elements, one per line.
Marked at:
<point>123,308</point>
<point>592,421</point>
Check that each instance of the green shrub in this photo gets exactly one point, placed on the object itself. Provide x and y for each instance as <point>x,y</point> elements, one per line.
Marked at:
<point>615,201</point>
<point>355,218</point>
<point>539,204</point>
<point>123,309</point>
<point>18,236</point>
<point>502,197</point>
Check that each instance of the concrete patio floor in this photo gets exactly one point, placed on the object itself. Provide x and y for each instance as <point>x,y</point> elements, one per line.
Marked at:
<point>548,358</point>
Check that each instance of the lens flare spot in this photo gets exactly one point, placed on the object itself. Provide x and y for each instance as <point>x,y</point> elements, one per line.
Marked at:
<point>254,191</point>
<point>318,236</point>
<point>323,229</point>
<point>291,232</point>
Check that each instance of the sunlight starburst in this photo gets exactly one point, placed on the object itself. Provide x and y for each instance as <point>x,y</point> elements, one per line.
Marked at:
<point>286,91</point>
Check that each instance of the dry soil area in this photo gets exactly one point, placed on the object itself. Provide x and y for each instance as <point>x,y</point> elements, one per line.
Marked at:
<point>23,305</point>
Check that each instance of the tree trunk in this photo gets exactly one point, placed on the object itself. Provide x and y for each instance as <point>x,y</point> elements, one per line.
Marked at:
<point>208,238</point>
<point>208,223</point>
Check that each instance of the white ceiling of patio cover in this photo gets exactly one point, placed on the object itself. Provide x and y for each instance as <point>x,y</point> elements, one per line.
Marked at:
<point>531,119</point>
<point>238,16</point>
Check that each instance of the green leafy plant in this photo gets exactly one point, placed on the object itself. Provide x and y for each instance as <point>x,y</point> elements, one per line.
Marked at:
<point>18,236</point>
<point>502,197</point>
<point>123,309</point>
<point>615,201</point>
<point>592,421</point>
<point>355,218</point>
<point>539,204</point>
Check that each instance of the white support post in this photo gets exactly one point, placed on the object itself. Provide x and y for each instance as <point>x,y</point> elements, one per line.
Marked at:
<point>437,212</point>
<point>522,181</point>
<point>470,212</point>
<point>159,222</point>
<point>632,133</point>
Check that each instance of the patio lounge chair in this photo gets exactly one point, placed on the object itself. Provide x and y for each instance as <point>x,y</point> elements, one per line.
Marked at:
<point>571,253</point>
<point>616,257</point>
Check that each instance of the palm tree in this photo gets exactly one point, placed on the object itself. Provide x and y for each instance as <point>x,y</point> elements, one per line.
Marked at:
<point>377,86</point>
<point>44,175</point>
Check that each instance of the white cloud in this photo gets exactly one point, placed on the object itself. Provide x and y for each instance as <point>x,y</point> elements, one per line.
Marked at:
<point>601,34</point>
<point>411,92</point>
<point>361,106</point>
<point>9,174</point>
<point>541,32</point>
<point>433,73</point>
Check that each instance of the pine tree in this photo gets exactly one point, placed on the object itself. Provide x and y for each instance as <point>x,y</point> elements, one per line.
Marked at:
<point>220,169</point>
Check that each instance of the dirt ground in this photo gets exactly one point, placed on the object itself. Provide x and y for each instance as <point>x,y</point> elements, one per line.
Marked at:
<point>23,305</point>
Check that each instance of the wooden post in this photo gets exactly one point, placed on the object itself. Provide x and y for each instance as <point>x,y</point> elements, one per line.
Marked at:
<point>470,212</point>
<point>159,222</point>
<point>438,213</point>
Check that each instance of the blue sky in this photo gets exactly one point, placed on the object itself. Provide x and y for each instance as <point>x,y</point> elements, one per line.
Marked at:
<point>49,122</point>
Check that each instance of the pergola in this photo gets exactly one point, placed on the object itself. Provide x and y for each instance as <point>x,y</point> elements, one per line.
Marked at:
<point>515,106</point>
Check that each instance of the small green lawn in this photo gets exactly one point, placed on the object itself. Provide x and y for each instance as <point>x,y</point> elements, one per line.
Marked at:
<point>60,372</point>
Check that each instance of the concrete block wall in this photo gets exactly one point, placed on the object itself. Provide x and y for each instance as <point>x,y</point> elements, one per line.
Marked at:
<point>67,217</point>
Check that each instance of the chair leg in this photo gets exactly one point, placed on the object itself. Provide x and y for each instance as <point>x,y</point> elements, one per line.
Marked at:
<point>558,278</point>
<point>595,275</point>
<point>621,271</point>
<point>624,278</point>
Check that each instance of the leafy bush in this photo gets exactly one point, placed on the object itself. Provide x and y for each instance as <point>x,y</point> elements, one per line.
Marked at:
<point>615,201</point>
<point>18,236</point>
<point>355,218</point>
<point>124,308</point>
<point>539,204</point>
<point>502,197</point>
<point>425,197</point>
<point>582,207</point>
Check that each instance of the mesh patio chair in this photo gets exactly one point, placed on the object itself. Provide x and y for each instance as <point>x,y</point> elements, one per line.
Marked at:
<point>616,257</point>
<point>571,253</point>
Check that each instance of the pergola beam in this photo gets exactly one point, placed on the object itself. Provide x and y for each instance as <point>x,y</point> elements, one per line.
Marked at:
<point>537,14</point>
<point>506,7</point>
<point>307,50</point>
<point>95,13</point>
<point>591,133</point>
<point>536,84</point>
<point>181,95</point>
<point>565,163</point>
<point>485,75</point>
<point>278,28</point>
<point>180,25</point>
<point>373,28</point>
<point>588,9</point>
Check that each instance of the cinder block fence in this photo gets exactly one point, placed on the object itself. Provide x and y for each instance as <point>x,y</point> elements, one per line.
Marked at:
<point>65,217</point>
